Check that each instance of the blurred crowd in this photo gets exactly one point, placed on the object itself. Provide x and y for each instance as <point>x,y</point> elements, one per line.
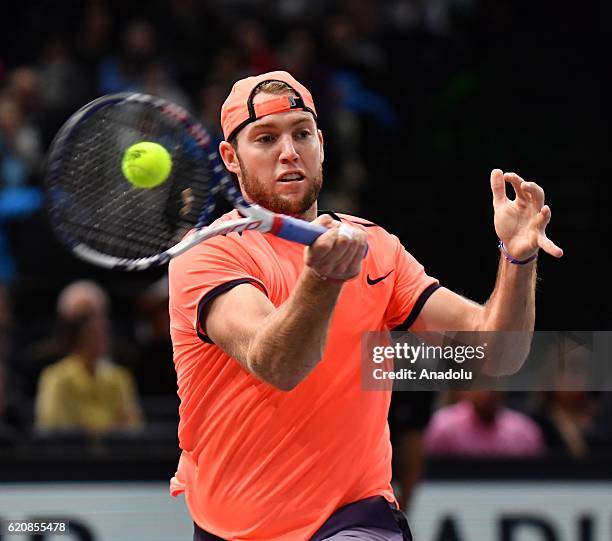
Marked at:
<point>88,351</point>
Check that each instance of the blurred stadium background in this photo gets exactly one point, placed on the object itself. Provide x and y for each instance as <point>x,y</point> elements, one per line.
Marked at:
<point>425,96</point>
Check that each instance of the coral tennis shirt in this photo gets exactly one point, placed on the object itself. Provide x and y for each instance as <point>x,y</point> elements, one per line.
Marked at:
<point>260,464</point>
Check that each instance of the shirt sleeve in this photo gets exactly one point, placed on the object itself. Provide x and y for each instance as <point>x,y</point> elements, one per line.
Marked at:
<point>204,272</point>
<point>411,290</point>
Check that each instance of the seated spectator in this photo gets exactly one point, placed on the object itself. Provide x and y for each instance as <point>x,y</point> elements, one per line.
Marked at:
<point>85,389</point>
<point>565,417</point>
<point>478,425</point>
<point>46,342</point>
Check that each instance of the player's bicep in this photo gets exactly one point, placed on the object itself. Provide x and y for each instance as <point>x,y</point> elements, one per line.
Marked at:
<point>448,311</point>
<point>232,319</point>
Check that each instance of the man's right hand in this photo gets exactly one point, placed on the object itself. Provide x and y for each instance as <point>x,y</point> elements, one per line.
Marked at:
<point>282,345</point>
<point>337,254</point>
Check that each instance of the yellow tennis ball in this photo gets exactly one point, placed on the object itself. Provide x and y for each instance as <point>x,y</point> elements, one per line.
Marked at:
<point>146,164</point>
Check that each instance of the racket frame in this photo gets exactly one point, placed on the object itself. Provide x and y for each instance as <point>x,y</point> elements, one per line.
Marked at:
<point>255,217</point>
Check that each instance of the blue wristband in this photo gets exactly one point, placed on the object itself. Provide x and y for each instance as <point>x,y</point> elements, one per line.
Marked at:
<point>510,259</point>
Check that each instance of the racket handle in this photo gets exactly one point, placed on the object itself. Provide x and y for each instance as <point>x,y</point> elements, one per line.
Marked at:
<point>299,231</point>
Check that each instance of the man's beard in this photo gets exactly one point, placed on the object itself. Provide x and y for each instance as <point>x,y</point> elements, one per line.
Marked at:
<point>257,192</point>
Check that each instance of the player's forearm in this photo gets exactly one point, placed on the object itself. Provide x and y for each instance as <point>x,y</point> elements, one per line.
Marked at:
<point>512,304</point>
<point>292,339</point>
<point>510,308</point>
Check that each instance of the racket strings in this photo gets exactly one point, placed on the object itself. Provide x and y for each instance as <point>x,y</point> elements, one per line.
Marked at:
<point>94,204</point>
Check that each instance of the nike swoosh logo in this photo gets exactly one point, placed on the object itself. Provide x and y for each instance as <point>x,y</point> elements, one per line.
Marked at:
<point>376,280</point>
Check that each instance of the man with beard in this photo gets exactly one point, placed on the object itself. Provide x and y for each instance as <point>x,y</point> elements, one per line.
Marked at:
<point>279,440</point>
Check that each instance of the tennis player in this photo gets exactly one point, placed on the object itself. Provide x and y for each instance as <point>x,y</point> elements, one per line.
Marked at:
<point>279,442</point>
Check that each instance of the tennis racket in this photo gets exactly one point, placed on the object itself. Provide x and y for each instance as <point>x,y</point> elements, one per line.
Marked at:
<point>105,220</point>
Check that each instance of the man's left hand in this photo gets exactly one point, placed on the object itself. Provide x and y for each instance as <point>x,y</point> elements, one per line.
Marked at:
<point>521,223</point>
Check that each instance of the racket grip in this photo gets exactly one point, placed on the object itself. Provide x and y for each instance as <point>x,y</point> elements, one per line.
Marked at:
<point>303,232</point>
<point>299,231</point>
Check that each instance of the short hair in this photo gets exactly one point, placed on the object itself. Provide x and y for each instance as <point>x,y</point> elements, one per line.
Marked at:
<point>273,87</point>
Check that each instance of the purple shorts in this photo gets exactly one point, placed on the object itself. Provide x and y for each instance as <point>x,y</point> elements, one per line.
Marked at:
<point>372,519</point>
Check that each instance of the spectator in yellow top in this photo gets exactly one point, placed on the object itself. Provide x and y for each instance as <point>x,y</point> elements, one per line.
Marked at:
<point>85,389</point>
